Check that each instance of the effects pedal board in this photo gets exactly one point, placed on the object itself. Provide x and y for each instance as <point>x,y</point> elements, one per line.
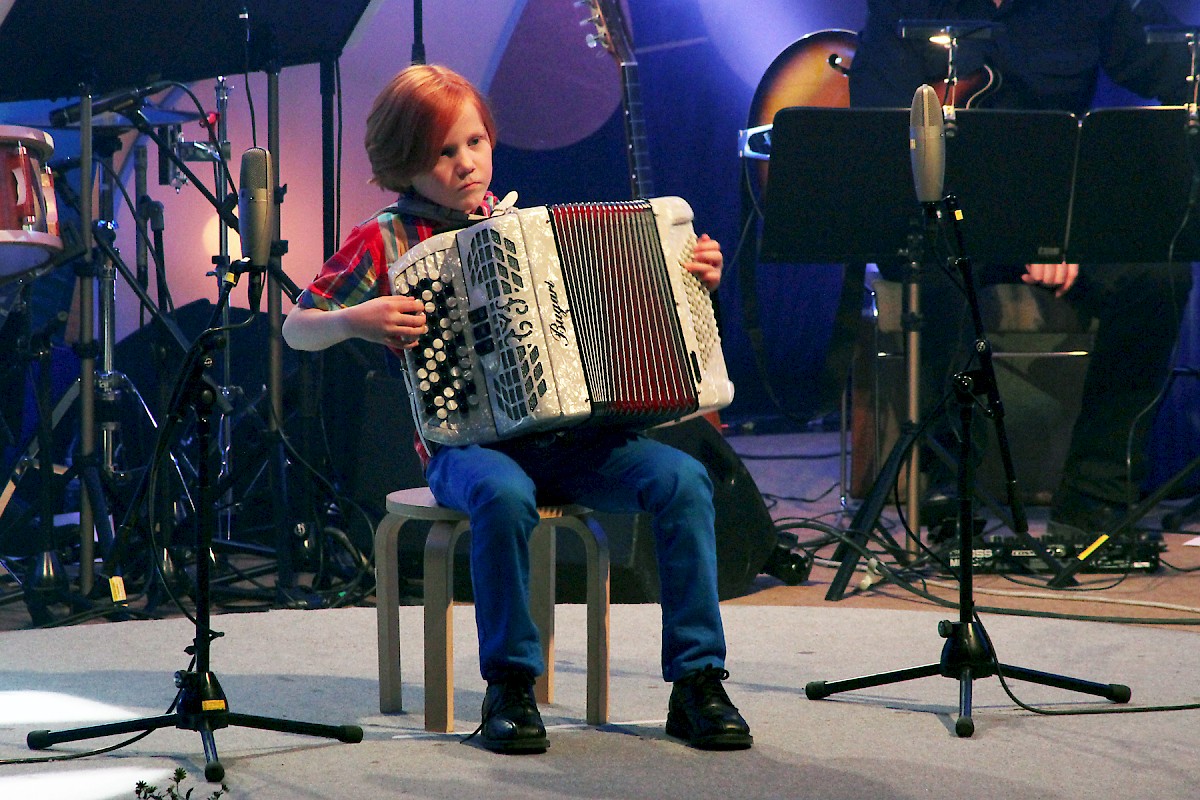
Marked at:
<point>1006,556</point>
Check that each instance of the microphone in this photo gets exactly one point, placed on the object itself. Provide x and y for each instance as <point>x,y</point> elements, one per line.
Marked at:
<point>927,143</point>
<point>118,102</point>
<point>255,185</point>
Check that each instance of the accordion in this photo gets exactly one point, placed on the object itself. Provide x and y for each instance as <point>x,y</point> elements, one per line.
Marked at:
<point>561,316</point>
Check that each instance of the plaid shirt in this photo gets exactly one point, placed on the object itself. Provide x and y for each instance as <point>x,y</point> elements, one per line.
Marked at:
<point>358,271</point>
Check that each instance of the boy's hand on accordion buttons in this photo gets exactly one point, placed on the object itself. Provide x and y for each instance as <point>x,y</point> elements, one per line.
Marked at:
<point>707,261</point>
<point>393,320</point>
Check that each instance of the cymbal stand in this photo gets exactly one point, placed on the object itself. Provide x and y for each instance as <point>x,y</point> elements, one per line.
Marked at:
<point>967,654</point>
<point>221,261</point>
<point>108,381</point>
<point>86,345</point>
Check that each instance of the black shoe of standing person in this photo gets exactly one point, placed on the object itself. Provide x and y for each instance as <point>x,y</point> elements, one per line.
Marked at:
<point>511,721</point>
<point>701,713</point>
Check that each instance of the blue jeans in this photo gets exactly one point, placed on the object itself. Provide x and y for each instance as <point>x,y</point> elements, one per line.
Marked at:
<point>500,486</point>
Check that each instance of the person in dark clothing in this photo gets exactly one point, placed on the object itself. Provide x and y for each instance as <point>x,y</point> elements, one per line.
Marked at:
<point>1049,55</point>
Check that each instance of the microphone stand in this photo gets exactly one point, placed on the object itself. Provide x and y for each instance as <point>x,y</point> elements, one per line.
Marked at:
<point>200,704</point>
<point>967,654</point>
<point>418,48</point>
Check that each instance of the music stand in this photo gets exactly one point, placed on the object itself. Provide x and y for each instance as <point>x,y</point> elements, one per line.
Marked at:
<point>51,48</point>
<point>117,45</point>
<point>841,189</point>
<point>1127,155</point>
<point>1131,190</point>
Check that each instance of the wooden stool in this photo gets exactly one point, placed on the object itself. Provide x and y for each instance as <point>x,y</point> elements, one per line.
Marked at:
<point>410,505</point>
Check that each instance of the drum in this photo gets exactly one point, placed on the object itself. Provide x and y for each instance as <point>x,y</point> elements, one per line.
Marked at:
<point>29,233</point>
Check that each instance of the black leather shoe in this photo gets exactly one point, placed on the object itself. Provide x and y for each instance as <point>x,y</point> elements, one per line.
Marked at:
<point>511,721</point>
<point>701,714</point>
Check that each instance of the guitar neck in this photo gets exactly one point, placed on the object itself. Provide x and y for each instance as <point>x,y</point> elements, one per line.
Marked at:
<point>641,178</point>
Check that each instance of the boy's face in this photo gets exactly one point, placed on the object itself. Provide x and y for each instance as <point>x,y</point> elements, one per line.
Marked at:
<point>463,171</point>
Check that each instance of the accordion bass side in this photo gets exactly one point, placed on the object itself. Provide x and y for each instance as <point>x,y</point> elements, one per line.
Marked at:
<point>561,316</point>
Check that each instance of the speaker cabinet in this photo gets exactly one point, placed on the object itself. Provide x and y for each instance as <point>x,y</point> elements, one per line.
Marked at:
<point>1040,354</point>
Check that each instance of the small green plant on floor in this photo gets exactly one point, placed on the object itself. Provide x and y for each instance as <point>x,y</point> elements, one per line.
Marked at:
<point>144,791</point>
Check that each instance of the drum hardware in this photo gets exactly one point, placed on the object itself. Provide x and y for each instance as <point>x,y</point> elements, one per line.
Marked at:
<point>103,402</point>
<point>194,151</point>
<point>111,386</point>
<point>115,57</point>
<point>227,272</point>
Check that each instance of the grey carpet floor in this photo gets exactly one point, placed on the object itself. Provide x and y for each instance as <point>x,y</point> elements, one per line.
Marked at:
<point>893,741</point>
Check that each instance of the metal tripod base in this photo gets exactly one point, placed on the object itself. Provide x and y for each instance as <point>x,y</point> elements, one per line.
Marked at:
<point>202,708</point>
<point>967,656</point>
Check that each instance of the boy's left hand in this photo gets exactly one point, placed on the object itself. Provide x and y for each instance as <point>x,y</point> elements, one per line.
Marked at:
<point>707,261</point>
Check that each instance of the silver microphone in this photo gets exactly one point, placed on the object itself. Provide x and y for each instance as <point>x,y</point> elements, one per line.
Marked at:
<point>255,185</point>
<point>927,144</point>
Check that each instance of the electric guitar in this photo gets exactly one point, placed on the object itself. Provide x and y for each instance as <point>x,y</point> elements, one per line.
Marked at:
<point>612,33</point>
<point>812,71</point>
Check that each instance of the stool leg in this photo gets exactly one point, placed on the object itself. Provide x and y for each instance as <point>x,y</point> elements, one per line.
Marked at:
<point>439,625</point>
<point>387,612</point>
<point>541,602</point>
<point>598,598</point>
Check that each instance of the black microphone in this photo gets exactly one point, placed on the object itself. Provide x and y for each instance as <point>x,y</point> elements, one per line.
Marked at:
<point>255,185</point>
<point>118,102</point>
<point>927,143</point>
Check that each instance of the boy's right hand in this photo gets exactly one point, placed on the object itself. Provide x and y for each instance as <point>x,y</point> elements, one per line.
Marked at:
<point>393,320</point>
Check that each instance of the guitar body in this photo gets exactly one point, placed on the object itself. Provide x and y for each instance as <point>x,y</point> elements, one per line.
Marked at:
<point>812,71</point>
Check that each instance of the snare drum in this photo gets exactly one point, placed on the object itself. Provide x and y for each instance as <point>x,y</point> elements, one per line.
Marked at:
<point>29,234</point>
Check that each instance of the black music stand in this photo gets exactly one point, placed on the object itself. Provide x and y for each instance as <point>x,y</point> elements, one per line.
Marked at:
<point>118,45</point>
<point>1134,175</point>
<point>1127,155</point>
<point>841,189</point>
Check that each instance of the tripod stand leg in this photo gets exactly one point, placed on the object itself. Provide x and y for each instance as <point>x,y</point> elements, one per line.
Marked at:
<point>964,726</point>
<point>214,771</point>
<point>1116,692</point>
<point>817,690</point>
<point>40,740</point>
<point>349,734</point>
